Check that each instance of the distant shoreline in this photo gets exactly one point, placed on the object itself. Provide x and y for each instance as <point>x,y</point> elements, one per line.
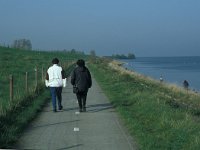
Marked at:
<point>120,64</point>
<point>174,70</point>
<point>153,109</point>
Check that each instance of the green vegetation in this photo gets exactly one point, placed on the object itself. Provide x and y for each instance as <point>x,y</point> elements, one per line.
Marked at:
<point>18,62</point>
<point>159,116</point>
<point>13,122</point>
<point>16,113</point>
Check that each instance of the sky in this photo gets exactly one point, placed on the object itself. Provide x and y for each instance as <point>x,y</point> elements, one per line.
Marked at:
<point>142,27</point>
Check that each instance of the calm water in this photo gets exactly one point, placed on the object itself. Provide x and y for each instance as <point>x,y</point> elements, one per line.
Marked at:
<point>173,69</point>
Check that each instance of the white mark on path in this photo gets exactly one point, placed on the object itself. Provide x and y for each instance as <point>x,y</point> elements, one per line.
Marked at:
<point>76,129</point>
<point>77,112</point>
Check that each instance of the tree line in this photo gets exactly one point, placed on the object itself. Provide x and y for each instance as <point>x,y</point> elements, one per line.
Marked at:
<point>122,56</point>
<point>22,44</point>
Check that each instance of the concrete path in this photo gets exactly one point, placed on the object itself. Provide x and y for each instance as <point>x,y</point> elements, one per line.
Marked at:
<point>97,129</point>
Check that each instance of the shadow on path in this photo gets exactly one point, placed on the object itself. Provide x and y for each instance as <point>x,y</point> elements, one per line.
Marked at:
<point>69,109</point>
<point>53,124</point>
<point>99,107</point>
<point>69,147</point>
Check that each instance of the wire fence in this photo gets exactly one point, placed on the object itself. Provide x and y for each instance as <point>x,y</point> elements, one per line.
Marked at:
<point>14,88</point>
<point>29,83</point>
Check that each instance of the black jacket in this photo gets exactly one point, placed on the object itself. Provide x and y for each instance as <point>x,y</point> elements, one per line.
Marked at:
<point>81,77</point>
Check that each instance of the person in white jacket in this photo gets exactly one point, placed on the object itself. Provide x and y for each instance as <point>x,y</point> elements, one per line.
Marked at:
<point>54,77</point>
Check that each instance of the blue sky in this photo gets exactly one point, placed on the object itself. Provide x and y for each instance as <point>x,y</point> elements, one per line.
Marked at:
<point>142,27</point>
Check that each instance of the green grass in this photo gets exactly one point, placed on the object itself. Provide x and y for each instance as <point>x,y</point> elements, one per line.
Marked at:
<point>158,116</point>
<point>16,114</point>
<point>13,122</point>
<point>18,62</point>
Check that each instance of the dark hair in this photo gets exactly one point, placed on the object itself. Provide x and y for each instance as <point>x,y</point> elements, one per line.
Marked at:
<point>55,61</point>
<point>80,63</point>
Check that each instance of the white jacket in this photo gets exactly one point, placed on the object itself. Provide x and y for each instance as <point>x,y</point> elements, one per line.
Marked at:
<point>55,76</point>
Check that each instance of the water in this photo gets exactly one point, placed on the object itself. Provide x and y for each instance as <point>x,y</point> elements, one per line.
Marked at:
<point>173,69</point>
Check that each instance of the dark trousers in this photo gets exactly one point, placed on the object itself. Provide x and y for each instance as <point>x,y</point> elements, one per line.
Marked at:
<point>81,96</point>
<point>56,92</point>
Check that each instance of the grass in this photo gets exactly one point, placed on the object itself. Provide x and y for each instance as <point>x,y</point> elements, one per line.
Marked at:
<point>18,62</point>
<point>13,123</point>
<point>17,113</point>
<point>158,116</point>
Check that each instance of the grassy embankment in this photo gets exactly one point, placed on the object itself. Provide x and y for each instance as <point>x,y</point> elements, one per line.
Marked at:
<point>15,114</point>
<point>158,116</point>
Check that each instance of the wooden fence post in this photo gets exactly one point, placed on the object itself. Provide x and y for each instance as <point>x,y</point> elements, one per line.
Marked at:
<point>42,73</point>
<point>65,65</point>
<point>11,87</point>
<point>26,82</point>
<point>36,77</point>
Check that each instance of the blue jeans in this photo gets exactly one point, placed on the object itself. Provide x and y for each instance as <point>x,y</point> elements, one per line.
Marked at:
<point>56,92</point>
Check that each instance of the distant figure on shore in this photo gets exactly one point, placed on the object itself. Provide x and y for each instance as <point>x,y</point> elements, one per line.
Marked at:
<point>161,79</point>
<point>185,84</point>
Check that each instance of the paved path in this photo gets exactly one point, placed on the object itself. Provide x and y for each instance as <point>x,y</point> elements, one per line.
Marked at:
<point>97,129</point>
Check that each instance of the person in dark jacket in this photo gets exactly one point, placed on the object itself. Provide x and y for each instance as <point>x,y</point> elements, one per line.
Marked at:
<point>81,78</point>
<point>185,84</point>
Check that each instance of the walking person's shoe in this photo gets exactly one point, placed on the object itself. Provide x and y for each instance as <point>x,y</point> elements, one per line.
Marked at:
<point>61,107</point>
<point>84,109</point>
<point>54,110</point>
<point>80,110</point>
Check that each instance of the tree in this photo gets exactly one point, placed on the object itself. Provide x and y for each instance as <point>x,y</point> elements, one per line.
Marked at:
<point>122,56</point>
<point>92,53</point>
<point>22,44</point>
<point>73,51</point>
<point>131,56</point>
<point>93,56</point>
